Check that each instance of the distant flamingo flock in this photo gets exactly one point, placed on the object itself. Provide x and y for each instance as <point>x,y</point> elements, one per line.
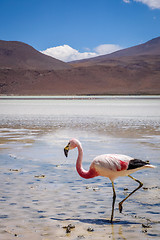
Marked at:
<point>109,165</point>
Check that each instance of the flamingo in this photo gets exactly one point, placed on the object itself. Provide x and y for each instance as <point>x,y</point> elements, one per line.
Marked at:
<point>109,165</point>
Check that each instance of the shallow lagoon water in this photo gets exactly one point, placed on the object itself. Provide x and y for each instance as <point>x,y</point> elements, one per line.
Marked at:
<point>41,191</point>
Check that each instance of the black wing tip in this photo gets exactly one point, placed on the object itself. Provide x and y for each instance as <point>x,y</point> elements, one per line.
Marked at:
<point>137,163</point>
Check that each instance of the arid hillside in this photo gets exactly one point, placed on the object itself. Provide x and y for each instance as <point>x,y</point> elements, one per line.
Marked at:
<point>139,52</point>
<point>18,55</point>
<point>134,70</point>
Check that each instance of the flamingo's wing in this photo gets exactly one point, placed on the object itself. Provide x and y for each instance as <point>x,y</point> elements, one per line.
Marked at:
<point>115,165</point>
<point>110,165</point>
<point>113,162</point>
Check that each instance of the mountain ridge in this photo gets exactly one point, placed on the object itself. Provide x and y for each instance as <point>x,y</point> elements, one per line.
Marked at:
<point>125,75</point>
<point>147,48</point>
<point>14,54</point>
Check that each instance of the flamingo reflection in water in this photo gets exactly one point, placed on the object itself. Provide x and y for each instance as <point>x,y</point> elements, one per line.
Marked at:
<point>109,165</point>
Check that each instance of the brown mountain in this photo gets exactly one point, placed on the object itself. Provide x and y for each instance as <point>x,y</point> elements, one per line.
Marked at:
<point>18,55</point>
<point>134,70</point>
<point>150,48</point>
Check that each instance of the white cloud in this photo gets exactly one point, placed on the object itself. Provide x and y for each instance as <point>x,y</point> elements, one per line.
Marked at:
<point>67,53</point>
<point>106,49</point>
<point>126,1</point>
<point>153,4</point>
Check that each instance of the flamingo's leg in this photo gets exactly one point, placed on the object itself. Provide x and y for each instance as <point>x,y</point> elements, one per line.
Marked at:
<point>140,185</point>
<point>114,198</point>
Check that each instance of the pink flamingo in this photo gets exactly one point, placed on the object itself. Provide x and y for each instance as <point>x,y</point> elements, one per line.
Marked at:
<point>108,165</point>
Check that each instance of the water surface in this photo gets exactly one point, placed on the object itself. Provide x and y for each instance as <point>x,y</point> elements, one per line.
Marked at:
<point>41,190</point>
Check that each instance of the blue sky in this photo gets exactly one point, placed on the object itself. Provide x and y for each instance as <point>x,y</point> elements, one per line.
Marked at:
<point>79,28</point>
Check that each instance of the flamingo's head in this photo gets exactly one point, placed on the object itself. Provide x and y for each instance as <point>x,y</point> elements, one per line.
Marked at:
<point>73,143</point>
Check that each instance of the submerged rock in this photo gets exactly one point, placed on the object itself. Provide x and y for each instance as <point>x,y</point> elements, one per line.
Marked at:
<point>146,225</point>
<point>90,229</point>
<point>69,227</point>
<point>40,176</point>
<point>15,170</point>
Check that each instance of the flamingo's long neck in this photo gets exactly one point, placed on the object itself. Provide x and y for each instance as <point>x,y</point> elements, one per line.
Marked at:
<point>83,173</point>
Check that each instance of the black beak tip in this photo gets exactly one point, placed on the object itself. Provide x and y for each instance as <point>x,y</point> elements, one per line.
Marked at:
<point>66,152</point>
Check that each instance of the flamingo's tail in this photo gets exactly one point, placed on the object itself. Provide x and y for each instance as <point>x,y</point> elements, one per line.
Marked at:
<point>150,166</point>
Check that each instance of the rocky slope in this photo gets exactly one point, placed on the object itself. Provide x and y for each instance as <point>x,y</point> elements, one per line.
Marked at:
<point>18,55</point>
<point>134,70</point>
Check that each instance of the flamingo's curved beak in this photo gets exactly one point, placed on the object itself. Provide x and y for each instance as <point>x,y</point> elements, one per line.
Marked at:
<point>66,150</point>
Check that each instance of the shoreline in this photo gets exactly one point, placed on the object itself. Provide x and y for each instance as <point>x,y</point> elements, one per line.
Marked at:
<point>76,97</point>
